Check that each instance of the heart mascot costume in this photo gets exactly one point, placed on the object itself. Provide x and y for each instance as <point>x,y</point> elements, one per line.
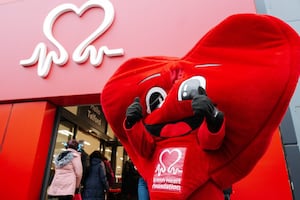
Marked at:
<point>197,124</point>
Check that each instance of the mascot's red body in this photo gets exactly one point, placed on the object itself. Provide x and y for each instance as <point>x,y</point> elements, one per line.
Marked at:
<point>249,66</point>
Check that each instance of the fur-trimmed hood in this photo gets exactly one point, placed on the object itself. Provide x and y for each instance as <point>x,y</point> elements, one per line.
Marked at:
<point>64,158</point>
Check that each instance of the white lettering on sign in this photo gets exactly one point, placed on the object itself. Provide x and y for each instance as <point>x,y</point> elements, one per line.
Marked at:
<point>83,51</point>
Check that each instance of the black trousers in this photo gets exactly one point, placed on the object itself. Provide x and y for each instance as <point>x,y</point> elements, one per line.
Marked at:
<point>67,197</point>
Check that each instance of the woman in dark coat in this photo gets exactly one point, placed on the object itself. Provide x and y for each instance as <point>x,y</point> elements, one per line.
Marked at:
<point>95,182</point>
<point>130,177</point>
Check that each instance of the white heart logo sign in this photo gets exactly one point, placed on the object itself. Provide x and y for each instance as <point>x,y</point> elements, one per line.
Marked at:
<point>170,162</point>
<point>84,50</point>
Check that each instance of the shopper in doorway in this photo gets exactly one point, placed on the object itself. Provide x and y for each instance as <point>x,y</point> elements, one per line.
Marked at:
<point>227,192</point>
<point>143,193</point>
<point>110,175</point>
<point>85,160</point>
<point>96,184</point>
<point>68,173</point>
<point>130,177</point>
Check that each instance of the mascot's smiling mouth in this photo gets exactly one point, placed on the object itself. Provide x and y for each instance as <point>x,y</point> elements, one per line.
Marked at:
<point>191,123</point>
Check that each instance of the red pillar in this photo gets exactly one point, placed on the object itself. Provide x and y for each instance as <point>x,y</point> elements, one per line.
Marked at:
<point>25,134</point>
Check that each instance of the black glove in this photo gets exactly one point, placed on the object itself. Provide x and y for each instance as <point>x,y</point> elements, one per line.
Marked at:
<point>133,113</point>
<point>77,190</point>
<point>203,106</point>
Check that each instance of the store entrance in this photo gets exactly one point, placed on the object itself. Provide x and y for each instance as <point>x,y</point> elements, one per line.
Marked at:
<point>87,125</point>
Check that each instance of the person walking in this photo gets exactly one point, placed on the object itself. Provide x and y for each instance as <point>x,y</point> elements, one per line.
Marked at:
<point>110,175</point>
<point>227,192</point>
<point>85,160</point>
<point>143,193</point>
<point>68,173</point>
<point>130,177</point>
<point>95,183</point>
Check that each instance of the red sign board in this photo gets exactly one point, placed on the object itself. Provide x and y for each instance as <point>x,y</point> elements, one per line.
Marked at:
<point>68,48</point>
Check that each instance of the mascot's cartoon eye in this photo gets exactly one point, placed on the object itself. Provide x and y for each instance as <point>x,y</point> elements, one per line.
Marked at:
<point>189,88</point>
<point>155,98</point>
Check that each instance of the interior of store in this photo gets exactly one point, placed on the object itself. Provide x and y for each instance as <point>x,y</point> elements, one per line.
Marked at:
<point>88,125</point>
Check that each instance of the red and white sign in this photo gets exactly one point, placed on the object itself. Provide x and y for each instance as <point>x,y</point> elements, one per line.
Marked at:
<point>84,50</point>
<point>169,169</point>
<point>60,48</point>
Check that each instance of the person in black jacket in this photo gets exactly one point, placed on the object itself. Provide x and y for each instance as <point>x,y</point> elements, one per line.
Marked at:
<point>227,192</point>
<point>96,184</point>
<point>130,177</point>
<point>85,160</point>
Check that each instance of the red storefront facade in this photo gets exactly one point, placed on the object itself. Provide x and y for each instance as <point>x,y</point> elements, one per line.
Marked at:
<point>61,53</point>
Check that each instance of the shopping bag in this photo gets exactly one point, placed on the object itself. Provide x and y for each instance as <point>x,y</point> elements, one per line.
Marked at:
<point>77,197</point>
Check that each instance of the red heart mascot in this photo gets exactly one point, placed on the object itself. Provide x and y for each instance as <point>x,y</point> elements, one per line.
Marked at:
<point>197,124</point>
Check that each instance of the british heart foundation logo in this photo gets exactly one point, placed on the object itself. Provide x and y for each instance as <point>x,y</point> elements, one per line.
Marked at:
<point>168,171</point>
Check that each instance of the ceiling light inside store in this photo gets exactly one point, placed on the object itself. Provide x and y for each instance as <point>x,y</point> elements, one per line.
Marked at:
<point>87,143</point>
<point>65,132</point>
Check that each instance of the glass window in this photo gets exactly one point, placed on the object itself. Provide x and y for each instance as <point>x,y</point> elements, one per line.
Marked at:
<point>119,163</point>
<point>64,134</point>
<point>108,152</point>
<point>90,143</point>
<point>110,132</point>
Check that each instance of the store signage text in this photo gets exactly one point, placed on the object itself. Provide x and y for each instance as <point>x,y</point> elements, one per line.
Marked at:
<point>85,50</point>
<point>94,114</point>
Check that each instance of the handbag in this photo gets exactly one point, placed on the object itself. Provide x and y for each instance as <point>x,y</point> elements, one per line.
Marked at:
<point>77,196</point>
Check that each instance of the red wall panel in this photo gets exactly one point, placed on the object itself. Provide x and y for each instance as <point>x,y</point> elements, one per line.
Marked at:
<point>25,148</point>
<point>269,179</point>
